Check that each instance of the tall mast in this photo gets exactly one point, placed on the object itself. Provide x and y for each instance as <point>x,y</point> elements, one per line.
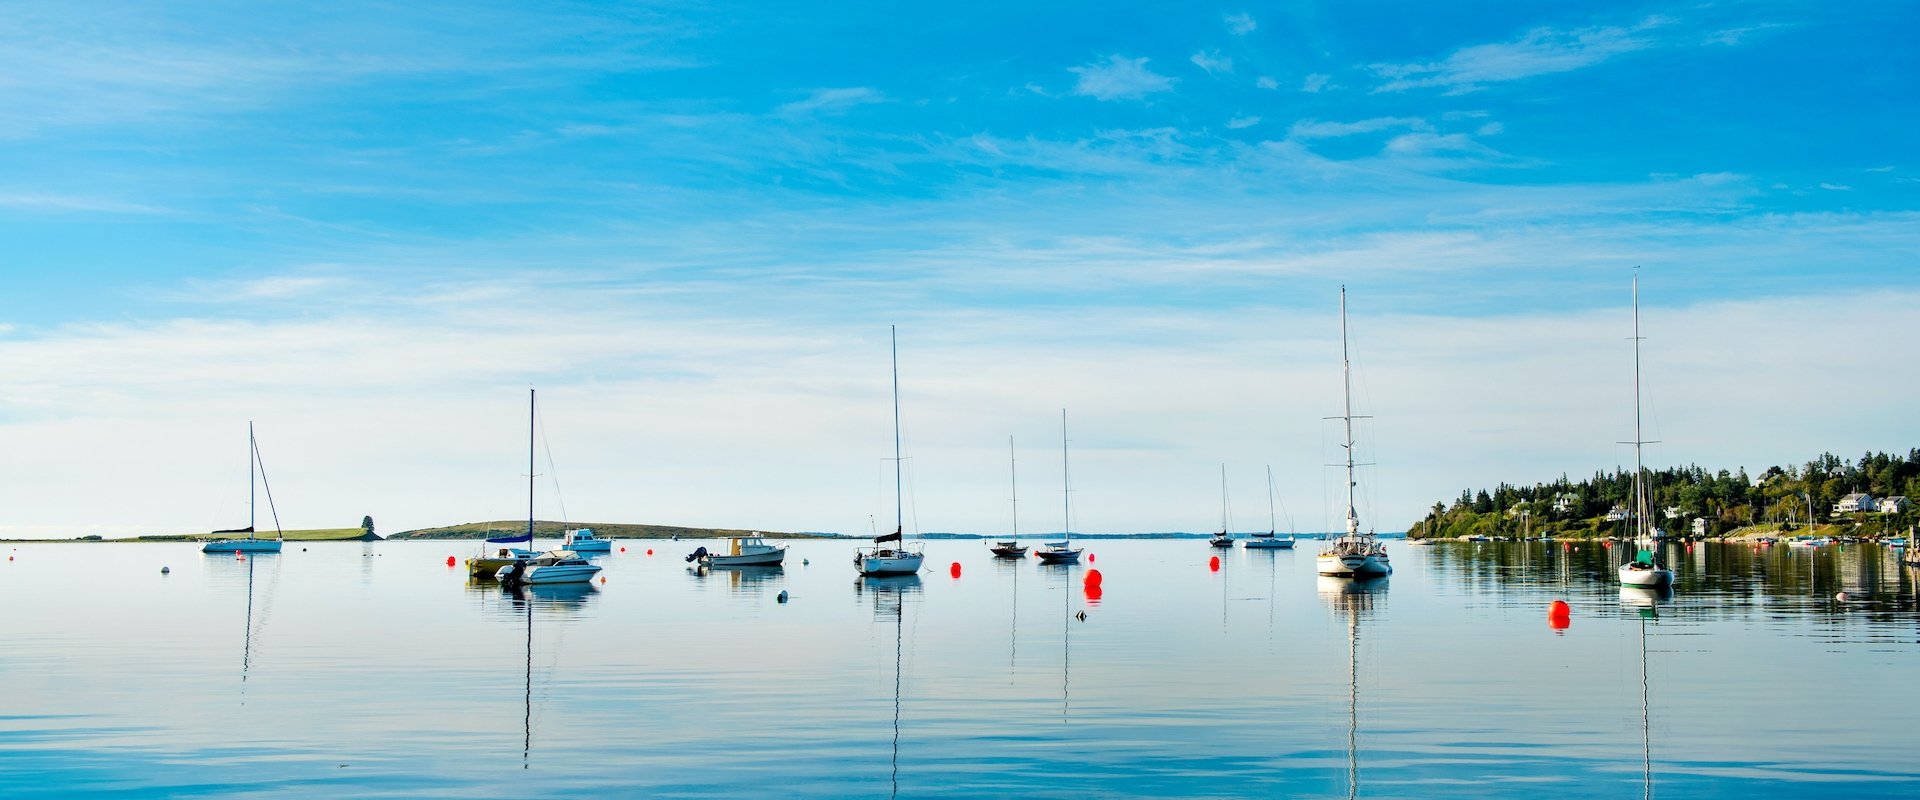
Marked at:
<point>1346,386</point>
<point>899,512</point>
<point>530,426</point>
<point>1273,520</point>
<point>1223,497</point>
<point>250,479</point>
<point>1639,493</point>
<point>1013,478</point>
<point>1066,483</point>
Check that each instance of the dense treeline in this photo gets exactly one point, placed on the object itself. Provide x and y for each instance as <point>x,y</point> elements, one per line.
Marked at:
<point>1778,497</point>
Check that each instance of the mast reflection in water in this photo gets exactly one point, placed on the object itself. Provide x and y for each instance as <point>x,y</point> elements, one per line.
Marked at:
<point>1354,599</point>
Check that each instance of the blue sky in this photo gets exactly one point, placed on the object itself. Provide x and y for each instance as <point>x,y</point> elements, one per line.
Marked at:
<point>1141,210</point>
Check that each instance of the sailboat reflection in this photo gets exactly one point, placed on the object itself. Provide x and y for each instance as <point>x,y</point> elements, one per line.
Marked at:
<point>253,609</point>
<point>1647,602</point>
<point>563,597</point>
<point>1355,599</point>
<point>889,600</point>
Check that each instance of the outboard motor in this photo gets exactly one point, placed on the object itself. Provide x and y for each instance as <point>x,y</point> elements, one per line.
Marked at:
<point>513,574</point>
<point>696,555</point>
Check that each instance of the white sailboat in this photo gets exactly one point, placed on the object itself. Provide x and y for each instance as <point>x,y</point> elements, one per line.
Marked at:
<point>1645,570</point>
<point>251,544</point>
<point>1224,538</point>
<point>548,568</point>
<point>1063,551</point>
<point>1353,554</point>
<point>897,559</point>
<point>1011,548</point>
<point>1271,539</point>
<point>484,567</point>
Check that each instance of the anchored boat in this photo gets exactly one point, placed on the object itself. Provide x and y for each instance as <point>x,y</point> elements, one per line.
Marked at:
<point>1354,554</point>
<point>251,544</point>
<point>897,559</point>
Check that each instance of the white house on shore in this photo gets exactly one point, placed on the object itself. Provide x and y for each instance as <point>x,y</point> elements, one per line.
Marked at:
<point>1896,504</point>
<point>1700,526</point>
<point>1855,503</point>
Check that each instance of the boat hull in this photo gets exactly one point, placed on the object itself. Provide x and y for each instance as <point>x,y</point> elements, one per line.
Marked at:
<point>591,546</point>
<point>1354,566</point>
<point>1009,551</point>
<point>889,564</point>
<point>1058,556</point>
<point>1655,578</point>
<point>560,573</point>
<point>768,559</point>
<point>1269,544</point>
<point>241,546</point>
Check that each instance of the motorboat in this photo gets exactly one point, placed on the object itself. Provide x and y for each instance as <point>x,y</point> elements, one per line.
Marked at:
<point>252,543</point>
<point>744,551</point>
<point>582,540</point>
<point>553,566</point>
<point>484,567</point>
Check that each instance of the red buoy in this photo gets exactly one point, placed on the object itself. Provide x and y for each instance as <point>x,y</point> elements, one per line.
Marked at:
<point>603,579</point>
<point>954,570</point>
<point>450,561</point>
<point>1559,615</point>
<point>1089,558</point>
<point>1092,578</point>
<point>649,551</point>
<point>1214,563</point>
<point>623,548</point>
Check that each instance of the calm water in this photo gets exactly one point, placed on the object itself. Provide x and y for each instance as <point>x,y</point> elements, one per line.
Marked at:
<point>374,670</point>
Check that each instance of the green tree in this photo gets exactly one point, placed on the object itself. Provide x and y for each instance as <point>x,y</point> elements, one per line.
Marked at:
<point>366,524</point>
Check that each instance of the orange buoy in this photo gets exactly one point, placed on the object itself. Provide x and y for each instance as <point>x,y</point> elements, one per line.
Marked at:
<point>954,570</point>
<point>450,561</point>
<point>1214,563</point>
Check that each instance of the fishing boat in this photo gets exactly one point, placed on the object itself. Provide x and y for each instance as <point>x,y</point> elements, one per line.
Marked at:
<point>1011,548</point>
<point>551,567</point>
<point>252,543</point>
<point>1645,570</point>
<point>743,551</point>
<point>1353,554</point>
<point>582,540</point>
<point>484,567</point>
<point>1063,551</point>
<point>889,554</point>
<point>1223,538</point>
<point>1271,539</point>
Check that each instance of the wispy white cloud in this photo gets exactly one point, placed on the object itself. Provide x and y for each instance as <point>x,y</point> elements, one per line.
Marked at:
<point>1319,129</point>
<point>1835,187</point>
<point>1740,34</point>
<point>833,101</point>
<point>1237,123</point>
<point>1266,82</point>
<point>1314,83</point>
<point>1212,61</point>
<point>1541,51</point>
<point>72,203</point>
<point>1241,24</point>
<point>1119,78</point>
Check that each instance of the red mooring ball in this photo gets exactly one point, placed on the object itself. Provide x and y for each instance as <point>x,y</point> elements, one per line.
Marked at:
<point>649,551</point>
<point>1092,578</point>
<point>1089,558</point>
<point>1214,563</point>
<point>450,561</point>
<point>954,570</point>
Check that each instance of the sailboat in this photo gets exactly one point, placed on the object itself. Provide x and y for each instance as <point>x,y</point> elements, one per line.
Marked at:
<point>1011,548</point>
<point>1354,554</point>
<point>880,559</point>
<point>524,567</point>
<point>1644,570</point>
<point>1223,538</point>
<point>251,544</point>
<point>1063,551</point>
<point>1271,539</point>
<point>484,567</point>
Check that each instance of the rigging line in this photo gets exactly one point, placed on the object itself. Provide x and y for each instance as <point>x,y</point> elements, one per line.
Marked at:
<point>553,473</point>
<point>254,444</point>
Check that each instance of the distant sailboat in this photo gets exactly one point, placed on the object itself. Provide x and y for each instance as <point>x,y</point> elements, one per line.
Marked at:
<point>881,559</point>
<point>1354,554</point>
<point>1224,538</point>
<point>251,544</point>
<point>1063,551</point>
<point>483,566</point>
<point>1645,570</point>
<point>1011,548</point>
<point>1271,539</point>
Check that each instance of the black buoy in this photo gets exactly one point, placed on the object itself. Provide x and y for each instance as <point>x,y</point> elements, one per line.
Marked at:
<point>782,597</point>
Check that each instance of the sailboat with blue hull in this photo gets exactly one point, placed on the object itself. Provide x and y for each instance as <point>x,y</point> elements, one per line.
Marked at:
<point>256,476</point>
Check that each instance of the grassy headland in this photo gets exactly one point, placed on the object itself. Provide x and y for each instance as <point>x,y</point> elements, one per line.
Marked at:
<point>613,530</point>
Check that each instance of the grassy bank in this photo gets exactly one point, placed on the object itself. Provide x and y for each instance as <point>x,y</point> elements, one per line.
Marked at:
<point>613,530</point>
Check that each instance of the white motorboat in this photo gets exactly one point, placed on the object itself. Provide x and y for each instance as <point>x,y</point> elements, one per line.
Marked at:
<point>251,544</point>
<point>1353,554</point>
<point>1271,539</point>
<point>553,566</point>
<point>889,554</point>
<point>1063,551</point>
<point>744,551</point>
<point>582,540</point>
<point>1645,570</point>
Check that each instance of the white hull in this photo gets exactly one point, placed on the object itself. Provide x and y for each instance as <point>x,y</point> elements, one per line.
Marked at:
<point>896,564</point>
<point>769,559</point>
<point>1352,566</point>
<point>1655,578</point>
<point>1269,543</point>
<point>242,546</point>
<point>591,546</point>
<point>560,573</point>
